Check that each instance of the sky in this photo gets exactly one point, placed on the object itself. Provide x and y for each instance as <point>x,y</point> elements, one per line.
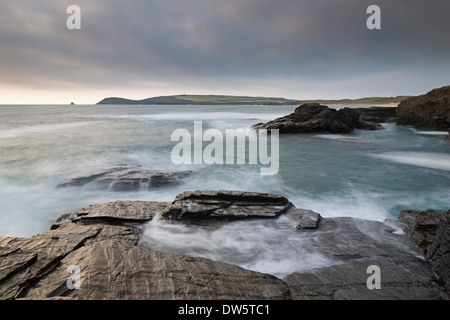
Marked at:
<point>318,49</point>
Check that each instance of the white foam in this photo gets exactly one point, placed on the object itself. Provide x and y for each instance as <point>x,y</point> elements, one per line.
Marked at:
<point>421,159</point>
<point>17,132</point>
<point>434,133</point>
<point>273,247</point>
<point>194,116</point>
<point>352,203</point>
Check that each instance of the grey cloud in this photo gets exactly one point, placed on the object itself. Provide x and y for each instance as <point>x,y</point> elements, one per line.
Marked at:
<point>171,40</point>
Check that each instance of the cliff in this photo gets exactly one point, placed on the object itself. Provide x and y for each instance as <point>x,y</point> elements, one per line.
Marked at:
<point>431,110</point>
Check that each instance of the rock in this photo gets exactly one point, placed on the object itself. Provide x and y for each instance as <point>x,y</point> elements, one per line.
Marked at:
<point>431,110</point>
<point>447,138</point>
<point>348,281</point>
<point>377,114</point>
<point>108,221</point>
<point>430,231</point>
<point>307,219</point>
<point>125,178</point>
<point>229,205</point>
<point>27,260</point>
<point>103,242</point>
<point>421,226</point>
<point>313,117</point>
<point>439,253</point>
<point>113,270</point>
<point>356,244</point>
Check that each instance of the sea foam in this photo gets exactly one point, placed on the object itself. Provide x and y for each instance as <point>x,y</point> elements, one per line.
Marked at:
<point>421,159</point>
<point>17,132</point>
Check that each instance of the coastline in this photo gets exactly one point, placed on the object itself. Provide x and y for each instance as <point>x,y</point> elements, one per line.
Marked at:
<point>111,261</point>
<point>107,245</point>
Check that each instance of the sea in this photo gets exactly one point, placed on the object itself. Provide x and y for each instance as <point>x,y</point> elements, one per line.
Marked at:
<point>371,175</point>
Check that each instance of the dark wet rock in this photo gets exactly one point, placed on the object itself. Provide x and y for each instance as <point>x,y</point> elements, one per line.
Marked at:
<point>229,205</point>
<point>102,240</point>
<point>313,117</point>
<point>119,211</point>
<point>377,114</point>
<point>431,110</point>
<point>430,231</point>
<point>125,178</point>
<point>357,244</point>
<point>307,219</point>
<point>421,226</point>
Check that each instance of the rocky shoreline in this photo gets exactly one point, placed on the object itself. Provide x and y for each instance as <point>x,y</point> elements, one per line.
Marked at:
<point>430,111</point>
<point>97,252</point>
<point>313,117</point>
<point>103,242</point>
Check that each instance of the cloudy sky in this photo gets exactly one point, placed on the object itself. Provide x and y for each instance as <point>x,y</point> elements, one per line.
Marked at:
<point>282,48</point>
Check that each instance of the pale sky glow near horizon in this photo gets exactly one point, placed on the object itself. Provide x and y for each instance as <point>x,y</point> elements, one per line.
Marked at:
<point>293,49</point>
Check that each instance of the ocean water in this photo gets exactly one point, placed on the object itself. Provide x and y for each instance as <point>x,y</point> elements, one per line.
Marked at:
<point>367,174</point>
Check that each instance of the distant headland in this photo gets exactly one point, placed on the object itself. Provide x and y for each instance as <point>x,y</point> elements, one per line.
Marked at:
<point>246,100</point>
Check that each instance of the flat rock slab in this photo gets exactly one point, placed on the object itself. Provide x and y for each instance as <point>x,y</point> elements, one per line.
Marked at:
<point>120,211</point>
<point>231,205</point>
<point>113,270</point>
<point>29,259</point>
<point>358,244</point>
<point>348,281</point>
<point>125,178</point>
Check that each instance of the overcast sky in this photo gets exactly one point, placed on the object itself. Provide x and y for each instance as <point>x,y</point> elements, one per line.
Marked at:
<point>282,48</point>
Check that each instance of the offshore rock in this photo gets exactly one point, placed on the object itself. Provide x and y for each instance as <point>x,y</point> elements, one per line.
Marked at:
<point>125,178</point>
<point>313,117</point>
<point>431,110</point>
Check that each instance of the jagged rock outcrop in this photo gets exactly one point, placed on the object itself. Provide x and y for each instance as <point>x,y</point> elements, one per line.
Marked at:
<point>313,117</point>
<point>229,205</point>
<point>125,178</point>
<point>103,242</point>
<point>430,231</point>
<point>431,110</point>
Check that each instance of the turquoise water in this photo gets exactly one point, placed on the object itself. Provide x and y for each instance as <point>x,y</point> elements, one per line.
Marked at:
<point>367,174</point>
